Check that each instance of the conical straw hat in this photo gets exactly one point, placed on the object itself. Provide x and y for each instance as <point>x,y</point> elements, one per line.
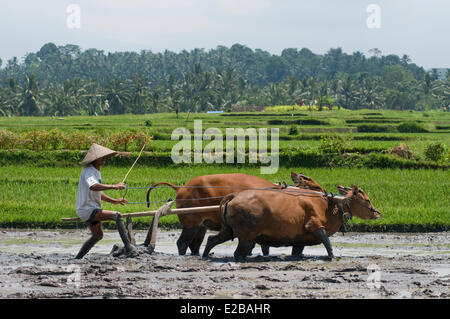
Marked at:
<point>95,152</point>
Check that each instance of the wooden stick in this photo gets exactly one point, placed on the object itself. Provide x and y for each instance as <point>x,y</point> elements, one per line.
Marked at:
<point>134,163</point>
<point>178,211</point>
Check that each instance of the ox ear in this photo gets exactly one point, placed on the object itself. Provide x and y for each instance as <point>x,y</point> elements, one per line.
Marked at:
<point>295,178</point>
<point>355,190</point>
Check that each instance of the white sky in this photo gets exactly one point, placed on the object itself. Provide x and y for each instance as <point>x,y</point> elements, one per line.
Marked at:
<point>419,28</point>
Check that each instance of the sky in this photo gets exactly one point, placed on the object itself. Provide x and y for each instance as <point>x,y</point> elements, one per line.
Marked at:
<point>417,28</point>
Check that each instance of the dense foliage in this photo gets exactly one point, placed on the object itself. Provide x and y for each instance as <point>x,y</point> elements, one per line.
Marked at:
<point>64,80</point>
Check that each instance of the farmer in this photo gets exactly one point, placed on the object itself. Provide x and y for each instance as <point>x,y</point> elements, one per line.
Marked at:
<point>89,197</point>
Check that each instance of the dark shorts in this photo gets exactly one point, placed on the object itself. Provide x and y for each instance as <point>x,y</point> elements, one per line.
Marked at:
<point>91,221</point>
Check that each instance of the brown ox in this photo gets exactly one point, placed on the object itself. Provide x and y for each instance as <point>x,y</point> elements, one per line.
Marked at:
<point>280,218</point>
<point>209,190</point>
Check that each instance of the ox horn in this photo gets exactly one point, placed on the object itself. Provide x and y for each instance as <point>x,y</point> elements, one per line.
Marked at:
<point>338,199</point>
<point>304,176</point>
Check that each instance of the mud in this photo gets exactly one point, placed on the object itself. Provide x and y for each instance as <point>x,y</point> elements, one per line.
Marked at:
<point>40,264</point>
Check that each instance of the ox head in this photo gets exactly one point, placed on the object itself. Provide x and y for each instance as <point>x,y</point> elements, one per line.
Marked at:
<point>359,202</point>
<point>306,182</point>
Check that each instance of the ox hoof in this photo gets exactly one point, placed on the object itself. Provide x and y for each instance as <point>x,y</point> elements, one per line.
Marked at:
<point>114,249</point>
<point>117,250</point>
<point>132,252</point>
<point>206,256</point>
<point>150,249</point>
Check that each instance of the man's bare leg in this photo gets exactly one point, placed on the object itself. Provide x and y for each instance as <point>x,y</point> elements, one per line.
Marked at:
<point>97,232</point>
<point>97,235</point>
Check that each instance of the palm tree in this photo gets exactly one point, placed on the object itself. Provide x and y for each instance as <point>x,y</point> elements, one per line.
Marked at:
<point>323,95</point>
<point>198,90</point>
<point>294,90</point>
<point>375,52</point>
<point>76,90</point>
<point>441,91</point>
<point>10,98</point>
<point>427,83</point>
<point>226,88</point>
<point>187,86</point>
<point>346,91</point>
<point>202,85</point>
<point>117,95</point>
<point>369,93</point>
<point>173,93</point>
<point>58,103</point>
<point>29,105</point>
<point>92,97</point>
<point>140,94</point>
<point>311,86</point>
<point>156,98</point>
<point>278,93</point>
<point>405,60</point>
<point>3,104</point>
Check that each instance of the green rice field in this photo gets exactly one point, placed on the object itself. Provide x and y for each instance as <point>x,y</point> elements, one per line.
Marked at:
<point>39,197</point>
<point>39,194</point>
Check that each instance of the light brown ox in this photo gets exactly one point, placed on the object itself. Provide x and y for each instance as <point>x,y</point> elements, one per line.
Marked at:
<point>209,190</point>
<point>280,218</point>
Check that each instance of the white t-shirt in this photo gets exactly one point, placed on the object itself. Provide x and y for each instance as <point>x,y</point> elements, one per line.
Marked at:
<point>88,200</point>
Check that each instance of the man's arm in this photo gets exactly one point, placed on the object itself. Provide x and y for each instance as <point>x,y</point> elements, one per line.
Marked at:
<point>108,199</point>
<point>103,187</point>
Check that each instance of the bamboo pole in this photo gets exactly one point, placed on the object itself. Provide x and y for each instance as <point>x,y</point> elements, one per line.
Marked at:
<point>140,153</point>
<point>187,210</point>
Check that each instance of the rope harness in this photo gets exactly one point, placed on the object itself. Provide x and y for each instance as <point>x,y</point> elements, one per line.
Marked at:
<point>296,192</point>
<point>345,215</point>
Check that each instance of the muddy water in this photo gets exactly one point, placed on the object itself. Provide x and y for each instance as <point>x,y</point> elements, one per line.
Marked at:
<point>40,264</point>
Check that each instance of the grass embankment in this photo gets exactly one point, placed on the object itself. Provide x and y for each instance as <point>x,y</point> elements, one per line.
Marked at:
<point>410,200</point>
<point>362,158</point>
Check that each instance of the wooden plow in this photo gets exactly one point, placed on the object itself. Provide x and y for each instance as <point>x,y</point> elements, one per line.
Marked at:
<point>150,240</point>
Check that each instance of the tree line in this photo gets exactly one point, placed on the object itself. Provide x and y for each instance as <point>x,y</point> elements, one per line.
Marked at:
<point>64,80</point>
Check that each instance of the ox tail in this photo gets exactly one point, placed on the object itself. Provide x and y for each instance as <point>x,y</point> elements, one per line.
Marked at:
<point>223,213</point>
<point>157,184</point>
